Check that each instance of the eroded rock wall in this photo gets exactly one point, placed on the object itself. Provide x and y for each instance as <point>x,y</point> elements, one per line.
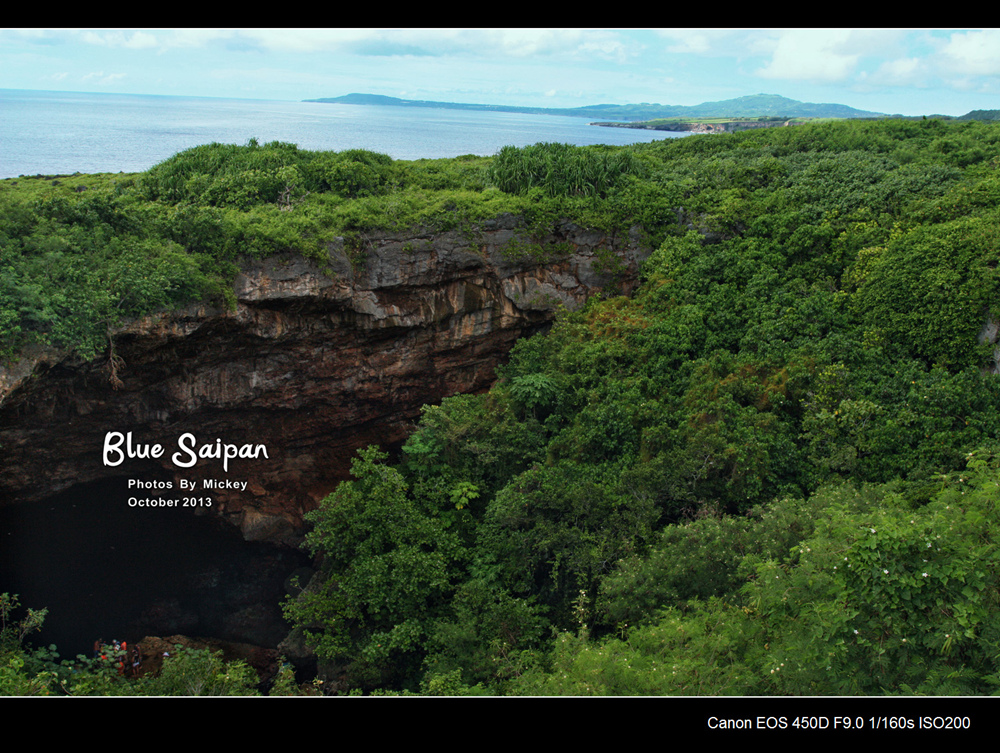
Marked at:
<point>315,361</point>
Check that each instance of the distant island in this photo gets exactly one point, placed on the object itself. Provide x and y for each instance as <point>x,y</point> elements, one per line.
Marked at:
<point>739,114</point>
<point>753,106</point>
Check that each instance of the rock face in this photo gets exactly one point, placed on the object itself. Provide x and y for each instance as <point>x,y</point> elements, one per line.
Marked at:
<point>315,361</point>
<point>990,334</point>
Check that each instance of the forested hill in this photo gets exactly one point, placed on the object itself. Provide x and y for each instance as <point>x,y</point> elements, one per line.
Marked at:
<point>773,470</point>
<point>757,105</point>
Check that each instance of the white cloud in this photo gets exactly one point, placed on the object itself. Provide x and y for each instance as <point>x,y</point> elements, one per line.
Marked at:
<point>100,77</point>
<point>530,42</point>
<point>903,68</point>
<point>303,40</point>
<point>140,40</point>
<point>513,43</point>
<point>135,40</point>
<point>975,53</point>
<point>607,49</point>
<point>195,37</point>
<point>909,71</point>
<point>92,37</point>
<point>812,55</point>
<point>696,43</point>
<point>699,41</point>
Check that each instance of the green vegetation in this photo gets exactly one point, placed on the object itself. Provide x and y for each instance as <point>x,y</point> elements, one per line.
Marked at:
<point>773,470</point>
<point>727,483</point>
<point>561,169</point>
<point>386,557</point>
<point>81,254</point>
<point>185,672</point>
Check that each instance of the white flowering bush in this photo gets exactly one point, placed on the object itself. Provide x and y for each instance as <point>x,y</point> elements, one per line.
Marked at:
<point>883,602</point>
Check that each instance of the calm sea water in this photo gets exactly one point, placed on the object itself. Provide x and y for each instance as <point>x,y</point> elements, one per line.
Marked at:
<point>66,132</point>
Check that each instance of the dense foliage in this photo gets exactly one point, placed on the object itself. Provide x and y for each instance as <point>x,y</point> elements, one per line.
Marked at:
<point>561,169</point>
<point>773,470</point>
<point>83,253</point>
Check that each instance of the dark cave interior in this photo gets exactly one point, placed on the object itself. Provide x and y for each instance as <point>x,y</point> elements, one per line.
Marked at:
<point>106,570</point>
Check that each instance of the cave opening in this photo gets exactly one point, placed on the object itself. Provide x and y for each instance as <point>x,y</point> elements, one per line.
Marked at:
<point>106,570</point>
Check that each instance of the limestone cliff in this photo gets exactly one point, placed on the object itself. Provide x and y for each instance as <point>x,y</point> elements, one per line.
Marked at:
<point>315,360</point>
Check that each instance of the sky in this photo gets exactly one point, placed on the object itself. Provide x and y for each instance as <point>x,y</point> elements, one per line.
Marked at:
<point>893,71</point>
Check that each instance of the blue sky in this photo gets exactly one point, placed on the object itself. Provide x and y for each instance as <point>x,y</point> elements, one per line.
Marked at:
<point>907,71</point>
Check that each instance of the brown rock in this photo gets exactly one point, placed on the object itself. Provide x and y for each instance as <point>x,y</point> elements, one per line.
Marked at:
<point>317,359</point>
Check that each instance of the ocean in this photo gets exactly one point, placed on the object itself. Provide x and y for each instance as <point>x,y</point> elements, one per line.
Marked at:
<point>44,132</point>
